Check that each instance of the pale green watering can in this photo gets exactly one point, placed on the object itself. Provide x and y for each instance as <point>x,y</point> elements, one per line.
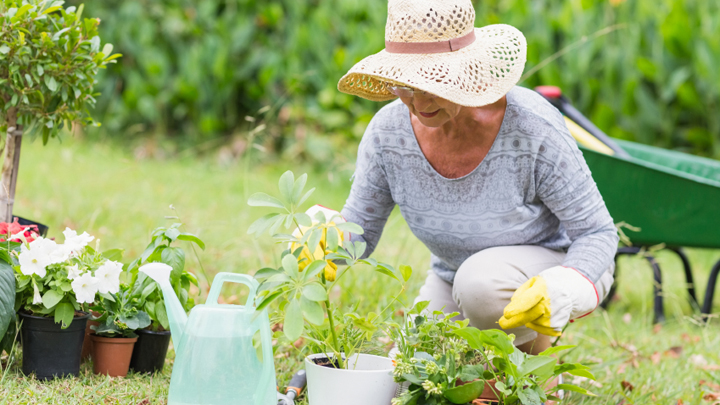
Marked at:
<point>215,360</point>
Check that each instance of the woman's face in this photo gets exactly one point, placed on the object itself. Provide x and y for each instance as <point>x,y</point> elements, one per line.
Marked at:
<point>430,110</point>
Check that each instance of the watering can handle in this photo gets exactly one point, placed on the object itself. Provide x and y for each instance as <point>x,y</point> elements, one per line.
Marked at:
<point>222,278</point>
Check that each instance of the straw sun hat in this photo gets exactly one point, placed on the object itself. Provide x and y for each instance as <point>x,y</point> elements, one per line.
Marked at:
<point>432,45</point>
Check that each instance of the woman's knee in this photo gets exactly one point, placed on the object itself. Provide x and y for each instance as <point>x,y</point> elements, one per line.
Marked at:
<point>483,286</point>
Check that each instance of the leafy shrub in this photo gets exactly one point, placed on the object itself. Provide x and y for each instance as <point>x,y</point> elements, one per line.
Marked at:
<point>197,68</point>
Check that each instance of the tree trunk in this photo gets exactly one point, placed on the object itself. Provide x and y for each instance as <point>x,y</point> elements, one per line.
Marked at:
<point>10,167</point>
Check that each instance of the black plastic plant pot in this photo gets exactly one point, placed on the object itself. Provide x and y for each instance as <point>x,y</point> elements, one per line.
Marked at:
<point>150,351</point>
<point>50,351</point>
<point>42,229</point>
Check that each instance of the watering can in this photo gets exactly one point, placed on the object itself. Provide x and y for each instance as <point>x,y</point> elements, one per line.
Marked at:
<point>216,362</point>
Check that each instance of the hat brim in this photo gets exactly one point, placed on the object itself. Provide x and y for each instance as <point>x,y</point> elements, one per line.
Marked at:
<point>474,76</point>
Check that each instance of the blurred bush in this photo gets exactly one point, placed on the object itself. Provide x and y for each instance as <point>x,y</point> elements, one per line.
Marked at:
<point>195,69</point>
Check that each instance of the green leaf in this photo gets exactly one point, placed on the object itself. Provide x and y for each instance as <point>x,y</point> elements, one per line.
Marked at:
<point>298,188</point>
<point>4,49</point>
<point>64,313</point>
<point>172,234</point>
<point>7,297</point>
<point>314,239</point>
<point>50,83</point>
<point>294,322</point>
<point>314,269</point>
<point>265,272</point>
<point>264,200</point>
<point>557,349</point>
<point>332,239</point>
<point>312,311</point>
<point>315,292</point>
<point>192,238</point>
<point>387,270</point>
<point>406,271</point>
<point>175,258</point>
<point>350,227</point>
<point>574,388</point>
<point>51,298</point>
<point>541,366</point>
<point>412,378</point>
<point>114,254</point>
<point>290,264</point>
<point>161,315</point>
<point>303,219</point>
<point>306,196</point>
<point>269,299</point>
<point>478,339</point>
<point>285,184</point>
<point>149,289</point>
<point>463,394</point>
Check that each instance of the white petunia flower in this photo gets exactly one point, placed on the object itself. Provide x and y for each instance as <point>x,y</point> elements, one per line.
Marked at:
<point>75,242</point>
<point>73,272</point>
<point>108,277</point>
<point>35,256</point>
<point>85,288</point>
<point>37,299</point>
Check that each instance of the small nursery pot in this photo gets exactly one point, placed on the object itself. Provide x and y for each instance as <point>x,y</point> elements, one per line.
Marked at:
<point>87,347</point>
<point>111,356</point>
<point>369,381</point>
<point>150,351</point>
<point>48,350</point>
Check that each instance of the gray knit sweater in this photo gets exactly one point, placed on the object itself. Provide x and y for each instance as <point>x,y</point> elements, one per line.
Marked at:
<point>532,188</point>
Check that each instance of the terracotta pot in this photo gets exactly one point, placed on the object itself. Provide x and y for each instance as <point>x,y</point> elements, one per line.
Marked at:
<point>111,356</point>
<point>87,347</point>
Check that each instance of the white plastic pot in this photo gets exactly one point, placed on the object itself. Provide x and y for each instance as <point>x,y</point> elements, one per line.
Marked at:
<point>368,381</point>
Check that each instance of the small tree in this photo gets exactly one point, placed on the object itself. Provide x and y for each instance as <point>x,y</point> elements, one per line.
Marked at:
<point>49,56</point>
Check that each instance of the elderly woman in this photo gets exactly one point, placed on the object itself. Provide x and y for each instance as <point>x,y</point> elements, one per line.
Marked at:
<point>486,175</point>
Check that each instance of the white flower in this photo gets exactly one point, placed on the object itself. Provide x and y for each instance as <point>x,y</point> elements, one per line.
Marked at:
<point>37,299</point>
<point>85,288</point>
<point>75,242</point>
<point>108,277</point>
<point>35,256</point>
<point>73,272</point>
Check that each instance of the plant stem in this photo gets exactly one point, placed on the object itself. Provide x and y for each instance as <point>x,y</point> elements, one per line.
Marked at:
<point>336,346</point>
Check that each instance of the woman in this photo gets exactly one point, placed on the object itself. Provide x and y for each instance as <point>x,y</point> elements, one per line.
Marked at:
<point>486,175</point>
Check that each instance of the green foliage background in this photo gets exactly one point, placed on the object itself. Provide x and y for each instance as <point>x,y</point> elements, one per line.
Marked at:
<point>195,69</point>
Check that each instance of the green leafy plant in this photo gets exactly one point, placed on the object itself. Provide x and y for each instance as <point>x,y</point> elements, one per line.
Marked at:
<point>49,57</point>
<point>446,362</point>
<point>120,315</point>
<point>146,291</point>
<point>309,271</point>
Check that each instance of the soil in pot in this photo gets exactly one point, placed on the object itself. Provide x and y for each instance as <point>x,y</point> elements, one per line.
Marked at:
<point>50,351</point>
<point>150,351</point>
<point>326,362</point>
<point>111,356</point>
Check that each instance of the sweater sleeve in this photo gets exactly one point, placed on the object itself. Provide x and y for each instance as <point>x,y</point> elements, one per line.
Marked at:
<point>565,185</point>
<point>370,201</point>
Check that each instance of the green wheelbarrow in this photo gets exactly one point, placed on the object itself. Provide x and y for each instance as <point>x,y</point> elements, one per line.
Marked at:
<point>668,195</point>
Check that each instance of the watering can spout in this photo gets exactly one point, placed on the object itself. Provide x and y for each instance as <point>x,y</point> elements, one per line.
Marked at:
<point>160,272</point>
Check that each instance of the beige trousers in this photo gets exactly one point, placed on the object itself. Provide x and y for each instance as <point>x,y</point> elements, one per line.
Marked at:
<point>486,281</point>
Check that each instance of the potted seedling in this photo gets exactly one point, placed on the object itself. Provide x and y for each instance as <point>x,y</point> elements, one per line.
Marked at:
<point>55,284</point>
<point>444,362</point>
<point>153,342</point>
<point>114,337</point>
<point>49,57</point>
<point>301,285</point>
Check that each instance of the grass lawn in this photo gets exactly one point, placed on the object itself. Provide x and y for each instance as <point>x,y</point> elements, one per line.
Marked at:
<point>110,194</point>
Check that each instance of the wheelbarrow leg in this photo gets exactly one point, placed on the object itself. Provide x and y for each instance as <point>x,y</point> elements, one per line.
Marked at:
<point>688,276</point>
<point>659,313</point>
<point>710,292</point>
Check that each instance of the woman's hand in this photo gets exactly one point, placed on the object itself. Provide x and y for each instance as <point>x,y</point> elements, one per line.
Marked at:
<point>548,301</point>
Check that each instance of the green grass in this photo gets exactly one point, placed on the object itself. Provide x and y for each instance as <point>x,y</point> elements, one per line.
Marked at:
<point>119,199</point>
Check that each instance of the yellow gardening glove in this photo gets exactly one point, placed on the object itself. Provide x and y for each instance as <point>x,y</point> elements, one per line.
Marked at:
<point>320,251</point>
<point>548,301</point>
